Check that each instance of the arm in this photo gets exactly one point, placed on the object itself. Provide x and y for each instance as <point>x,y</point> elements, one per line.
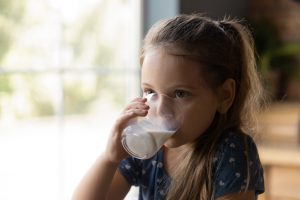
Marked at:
<point>103,180</point>
<point>249,195</point>
<point>100,181</point>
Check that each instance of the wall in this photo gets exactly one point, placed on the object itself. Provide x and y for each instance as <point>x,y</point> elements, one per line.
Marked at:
<point>217,9</point>
<point>285,15</point>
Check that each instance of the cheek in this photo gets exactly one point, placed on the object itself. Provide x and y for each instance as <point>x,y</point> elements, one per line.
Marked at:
<point>197,124</point>
<point>197,120</point>
<point>191,129</point>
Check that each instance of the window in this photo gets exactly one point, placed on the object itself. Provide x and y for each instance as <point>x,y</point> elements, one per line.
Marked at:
<point>67,67</point>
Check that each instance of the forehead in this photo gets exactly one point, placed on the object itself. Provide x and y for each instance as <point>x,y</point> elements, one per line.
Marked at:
<point>162,68</point>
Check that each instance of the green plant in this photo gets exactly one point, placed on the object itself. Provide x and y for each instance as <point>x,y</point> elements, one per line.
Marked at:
<point>276,57</point>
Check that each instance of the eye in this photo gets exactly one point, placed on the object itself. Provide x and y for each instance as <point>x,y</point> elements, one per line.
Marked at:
<point>181,94</point>
<point>147,92</point>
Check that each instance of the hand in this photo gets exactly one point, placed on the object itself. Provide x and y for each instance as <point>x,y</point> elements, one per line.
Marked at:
<point>114,150</point>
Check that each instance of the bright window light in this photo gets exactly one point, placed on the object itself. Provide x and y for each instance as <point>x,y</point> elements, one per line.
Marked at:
<point>67,68</point>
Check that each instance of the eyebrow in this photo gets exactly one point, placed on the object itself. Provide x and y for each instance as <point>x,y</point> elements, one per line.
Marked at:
<point>173,86</point>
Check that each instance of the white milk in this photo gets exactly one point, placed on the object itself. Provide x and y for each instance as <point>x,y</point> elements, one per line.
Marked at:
<point>160,137</point>
<point>142,139</point>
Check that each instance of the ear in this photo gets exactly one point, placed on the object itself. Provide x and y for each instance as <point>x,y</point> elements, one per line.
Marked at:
<point>226,95</point>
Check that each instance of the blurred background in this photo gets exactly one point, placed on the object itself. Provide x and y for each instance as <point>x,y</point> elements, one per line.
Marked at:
<point>67,68</point>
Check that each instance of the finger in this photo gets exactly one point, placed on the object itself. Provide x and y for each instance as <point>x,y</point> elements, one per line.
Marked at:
<point>128,115</point>
<point>139,99</point>
<point>136,105</point>
<point>135,113</point>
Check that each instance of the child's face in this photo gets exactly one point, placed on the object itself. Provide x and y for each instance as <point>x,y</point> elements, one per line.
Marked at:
<point>180,78</point>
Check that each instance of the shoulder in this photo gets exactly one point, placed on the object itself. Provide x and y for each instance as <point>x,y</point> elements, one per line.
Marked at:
<point>236,165</point>
<point>235,144</point>
<point>231,151</point>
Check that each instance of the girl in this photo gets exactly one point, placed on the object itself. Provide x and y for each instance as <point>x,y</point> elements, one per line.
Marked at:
<point>208,67</point>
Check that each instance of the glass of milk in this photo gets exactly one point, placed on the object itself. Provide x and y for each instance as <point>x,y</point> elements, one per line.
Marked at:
<point>144,136</point>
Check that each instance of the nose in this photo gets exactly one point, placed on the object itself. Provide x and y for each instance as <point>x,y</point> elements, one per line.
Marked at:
<point>165,107</point>
<point>164,112</point>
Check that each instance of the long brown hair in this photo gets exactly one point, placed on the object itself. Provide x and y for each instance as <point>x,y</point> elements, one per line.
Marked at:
<point>225,50</point>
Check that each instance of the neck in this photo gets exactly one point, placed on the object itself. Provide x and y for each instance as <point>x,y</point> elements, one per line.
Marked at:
<point>172,156</point>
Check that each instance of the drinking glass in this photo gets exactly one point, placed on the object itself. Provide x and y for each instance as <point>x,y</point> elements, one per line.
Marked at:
<point>143,137</point>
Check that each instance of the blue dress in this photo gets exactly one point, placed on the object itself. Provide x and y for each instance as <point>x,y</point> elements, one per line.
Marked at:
<point>229,170</point>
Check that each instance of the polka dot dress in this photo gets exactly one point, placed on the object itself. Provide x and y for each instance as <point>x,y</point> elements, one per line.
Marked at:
<point>236,156</point>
